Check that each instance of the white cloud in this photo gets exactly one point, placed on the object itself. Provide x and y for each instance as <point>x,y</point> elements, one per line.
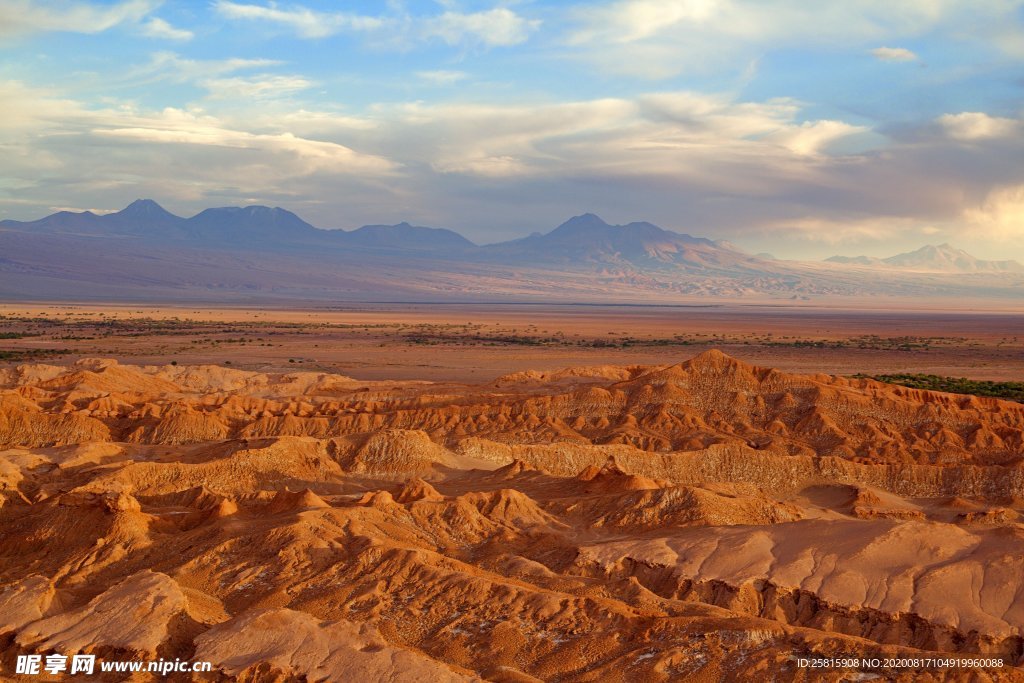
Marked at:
<point>19,17</point>
<point>304,21</point>
<point>497,27</point>
<point>976,125</point>
<point>850,229</point>
<point>51,142</point>
<point>813,137</point>
<point>893,54</point>
<point>661,38</point>
<point>442,76</point>
<point>77,209</point>
<point>634,20</point>
<point>1001,215</point>
<point>696,111</point>
<point>158,28</point>
<point>675,134</point>
<point>27,108</point>
<point>175,127</point>
<point>757,21</point>
<point>166,65</point>
<point>257,87</point>
<point>709,163</point>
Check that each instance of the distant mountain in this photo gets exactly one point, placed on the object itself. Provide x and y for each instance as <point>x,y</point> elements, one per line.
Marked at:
<point>405,236</point>
<point>857,260</point>
<point>143,216</point>
<point>587,239</point>
<point>947,258</point>
<point>146,219</point>
<point>253,225</point>
<point>259,253</point>
<point>942,258</point>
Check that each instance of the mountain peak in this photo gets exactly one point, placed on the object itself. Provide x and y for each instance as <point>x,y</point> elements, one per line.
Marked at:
<point>934,258</point>
<point>143,207</point>
<point>407,236</point>
<point>585,220</point>
<point>250,223</point>
<point>944,248</point>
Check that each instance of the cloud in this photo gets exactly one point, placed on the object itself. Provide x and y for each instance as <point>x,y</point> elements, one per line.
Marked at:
<point>304,21</point>
<point>257,87</point>
<point>661,38</point>
<point>176,127</point>
<point>759,22</point>
<point>976,125</point>
<point>1000,216</point>
<point>158,28</point>
<point>497,27</point>
<point>813,137</point>
<point>441,76</point>
<point>633,20</point>
<point>672,134</point>
<point>893,54</point>
<point>21,17</point>
<point>77,209</point>
<point>167,65</point>
<point>50,149</point>
<point>708,163</point>
<point>851,229</point>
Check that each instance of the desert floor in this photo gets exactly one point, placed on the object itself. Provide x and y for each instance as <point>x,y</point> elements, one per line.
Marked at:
<point>462,342</point>
<point>511,494</point>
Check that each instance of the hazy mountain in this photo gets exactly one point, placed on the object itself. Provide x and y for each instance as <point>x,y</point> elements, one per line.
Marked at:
<point>947,258</point>
<point>405,236</point>
<point>146,219</point>
<point>253,225</point>
<point>69,222</point>
<point>857,260</point>
<point>942,258</point>
<point>257,253</point>
<point>143,217</point>
<point>587,239</point>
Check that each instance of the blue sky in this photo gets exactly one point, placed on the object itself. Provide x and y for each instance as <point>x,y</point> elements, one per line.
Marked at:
<point>802,129</point>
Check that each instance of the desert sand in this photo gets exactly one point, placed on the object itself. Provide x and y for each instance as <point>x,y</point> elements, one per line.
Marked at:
<point>696,519</point>
<point>477,342</point>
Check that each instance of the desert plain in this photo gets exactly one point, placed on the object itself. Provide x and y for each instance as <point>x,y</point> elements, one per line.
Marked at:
<point>477,342</point>
<point>421,492</point>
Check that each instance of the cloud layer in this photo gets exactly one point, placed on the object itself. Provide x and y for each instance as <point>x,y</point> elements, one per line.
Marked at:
<point>776,124</point>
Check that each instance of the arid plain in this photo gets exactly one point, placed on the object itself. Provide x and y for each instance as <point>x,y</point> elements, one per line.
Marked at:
<point>512,493</point>
<point>477,342</point>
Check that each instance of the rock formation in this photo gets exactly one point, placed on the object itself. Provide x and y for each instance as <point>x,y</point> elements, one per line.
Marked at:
<point>703,518</point>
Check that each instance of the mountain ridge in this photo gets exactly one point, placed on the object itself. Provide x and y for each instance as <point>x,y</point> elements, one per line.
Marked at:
<point>934,258</point>
<point>256,252</point>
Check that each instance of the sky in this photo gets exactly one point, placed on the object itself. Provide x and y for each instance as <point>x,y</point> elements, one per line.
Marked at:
<point>802,129</point>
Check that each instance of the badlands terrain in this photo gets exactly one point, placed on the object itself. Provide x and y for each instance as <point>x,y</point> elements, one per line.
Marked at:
<point>697,518</point>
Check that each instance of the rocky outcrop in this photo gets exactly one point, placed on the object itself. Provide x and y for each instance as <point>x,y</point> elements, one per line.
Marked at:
<point>704,520</point>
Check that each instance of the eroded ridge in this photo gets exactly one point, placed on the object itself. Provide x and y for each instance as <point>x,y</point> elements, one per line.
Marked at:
<point>610,523</point>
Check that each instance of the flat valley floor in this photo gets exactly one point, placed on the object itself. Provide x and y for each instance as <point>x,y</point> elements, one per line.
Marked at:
<point>477,342</point>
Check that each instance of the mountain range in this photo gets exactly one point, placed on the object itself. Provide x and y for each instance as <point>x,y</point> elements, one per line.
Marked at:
<point>943,258</point>
<point>256,252</point>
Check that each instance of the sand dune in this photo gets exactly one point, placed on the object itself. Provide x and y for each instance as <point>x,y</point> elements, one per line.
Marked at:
<point>703,518</point>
